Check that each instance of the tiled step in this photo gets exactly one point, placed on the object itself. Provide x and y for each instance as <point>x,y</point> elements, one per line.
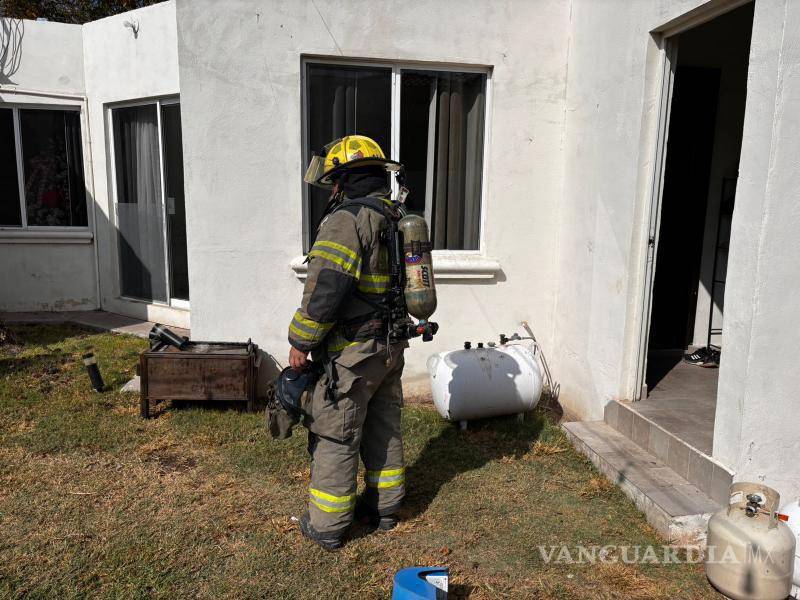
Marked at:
<point>687,461</point>
<point>678,510</point>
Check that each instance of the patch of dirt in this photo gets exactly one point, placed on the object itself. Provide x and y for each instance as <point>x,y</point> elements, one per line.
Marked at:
<point>172,462</point>
<point>422,400</point>
<point>597,487</point>
<point>540,449</point>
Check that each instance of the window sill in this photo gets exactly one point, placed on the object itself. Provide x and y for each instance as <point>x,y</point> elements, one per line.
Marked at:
<point>447,265</point>
<point>22,236</point>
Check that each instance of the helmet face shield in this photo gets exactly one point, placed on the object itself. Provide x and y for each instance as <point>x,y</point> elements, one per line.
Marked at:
<point>345,153</point>
<point>316,169</point>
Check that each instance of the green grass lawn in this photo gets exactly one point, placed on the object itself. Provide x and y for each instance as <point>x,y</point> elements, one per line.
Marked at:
<point>198,502</point>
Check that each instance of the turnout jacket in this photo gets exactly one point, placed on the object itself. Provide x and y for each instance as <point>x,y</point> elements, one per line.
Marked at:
<point>348,275</point>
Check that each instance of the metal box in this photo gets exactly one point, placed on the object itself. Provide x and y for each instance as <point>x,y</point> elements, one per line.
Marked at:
<point>204,371</point>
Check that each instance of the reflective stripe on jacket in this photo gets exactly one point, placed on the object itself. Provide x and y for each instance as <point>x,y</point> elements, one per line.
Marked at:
<point>346,264</point>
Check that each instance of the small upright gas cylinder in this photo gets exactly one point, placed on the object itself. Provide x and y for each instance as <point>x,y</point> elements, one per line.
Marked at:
<point>420,292</point>
<point>792,512</point>
<point>750,552</point>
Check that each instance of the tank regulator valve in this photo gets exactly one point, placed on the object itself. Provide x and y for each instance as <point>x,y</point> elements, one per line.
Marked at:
<point>427,329</point>
<point>753,505</point>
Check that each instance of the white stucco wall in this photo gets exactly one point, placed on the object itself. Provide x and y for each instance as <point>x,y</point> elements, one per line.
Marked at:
<point>54,275</point>
<point>52,57</point>
<point>240,92</point>
<point>119,68</point>
<point>45,270</point>
<point>756,427</point>
<point>611,118</point>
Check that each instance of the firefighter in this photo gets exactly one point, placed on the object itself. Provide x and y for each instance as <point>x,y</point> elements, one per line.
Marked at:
<point>355,406</point>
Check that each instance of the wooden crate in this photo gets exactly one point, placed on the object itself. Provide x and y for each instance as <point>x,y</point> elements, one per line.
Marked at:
<point>205,371</point>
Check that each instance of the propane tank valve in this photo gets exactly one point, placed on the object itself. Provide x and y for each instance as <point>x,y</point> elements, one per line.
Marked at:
<point>753,505</point>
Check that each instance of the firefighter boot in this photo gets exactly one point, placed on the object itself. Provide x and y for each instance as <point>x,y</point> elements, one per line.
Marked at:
<point>328,542</point>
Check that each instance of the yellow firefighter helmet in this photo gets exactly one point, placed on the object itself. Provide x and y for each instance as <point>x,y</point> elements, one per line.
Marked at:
<point>346,153</point>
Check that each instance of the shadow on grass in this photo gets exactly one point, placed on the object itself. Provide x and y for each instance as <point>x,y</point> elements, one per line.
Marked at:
<point>454,452</point>
<point>46,334</point>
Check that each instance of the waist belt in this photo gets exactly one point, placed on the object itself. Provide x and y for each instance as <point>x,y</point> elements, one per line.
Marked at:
<point>350,333</point>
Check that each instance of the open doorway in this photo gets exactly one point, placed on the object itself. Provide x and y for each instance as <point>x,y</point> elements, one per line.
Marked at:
<point>699,180</point>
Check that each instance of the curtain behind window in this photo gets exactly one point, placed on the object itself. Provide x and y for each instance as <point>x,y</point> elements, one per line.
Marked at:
<point>459,161</point>
<point>140,220</point>
<point>441,146</point>
<point>77,186</point>
<point>344,100</point>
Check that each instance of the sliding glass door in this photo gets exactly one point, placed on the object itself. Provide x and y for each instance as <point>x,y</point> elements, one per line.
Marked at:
<point>150,207</point>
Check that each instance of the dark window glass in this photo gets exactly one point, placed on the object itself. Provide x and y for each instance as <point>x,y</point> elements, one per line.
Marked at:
<point>175,204</point>
<point>55,193</point>
<point>441,146</point>
<point>140,214</point>
<point>10,214</point>
<point>343,101</point>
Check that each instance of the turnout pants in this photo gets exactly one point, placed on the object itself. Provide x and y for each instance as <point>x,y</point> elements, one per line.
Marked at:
<point>363,419</point>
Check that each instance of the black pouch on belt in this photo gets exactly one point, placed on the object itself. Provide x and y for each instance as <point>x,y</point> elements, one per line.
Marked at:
<point>291,391</point>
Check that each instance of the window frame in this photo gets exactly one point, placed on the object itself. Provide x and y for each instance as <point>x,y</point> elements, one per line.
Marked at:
<point>397,67</point>
<point>110,107</point>
<point>15,107</point>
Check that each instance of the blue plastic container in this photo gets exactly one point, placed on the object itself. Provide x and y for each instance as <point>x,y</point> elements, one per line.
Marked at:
<point>421,583</point>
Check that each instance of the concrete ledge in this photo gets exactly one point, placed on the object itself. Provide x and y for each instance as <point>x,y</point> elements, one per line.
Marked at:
<point>447,264</point>
<point>96,319</point>
<point>43,236</point>
<point>678,510</point>
<point>695,466</point>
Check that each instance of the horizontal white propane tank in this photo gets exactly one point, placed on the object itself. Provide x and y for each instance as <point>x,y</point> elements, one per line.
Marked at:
<point>475,383</point>
<point>749,551</point>
<point>792,512</point>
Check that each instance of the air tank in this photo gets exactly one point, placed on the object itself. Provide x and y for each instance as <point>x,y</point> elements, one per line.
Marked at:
<point>420,292</point>
<point>792,511</point>
<point>474,383</point>
<point>750,552</point>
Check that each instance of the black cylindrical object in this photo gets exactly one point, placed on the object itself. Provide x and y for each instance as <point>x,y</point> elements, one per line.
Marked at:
<point>159,333</point>
<point>93,370</point>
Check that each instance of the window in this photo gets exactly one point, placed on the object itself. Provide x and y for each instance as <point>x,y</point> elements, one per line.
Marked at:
<point>430,120</point>
<point>150,207</point>
<point>41,168</point>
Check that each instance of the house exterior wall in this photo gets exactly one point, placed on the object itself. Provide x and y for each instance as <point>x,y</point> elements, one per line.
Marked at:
<point>756,424</point>
<point>47,270</point>
<point>610,129</point>
<point>241,91</point>
<point>120,68</point>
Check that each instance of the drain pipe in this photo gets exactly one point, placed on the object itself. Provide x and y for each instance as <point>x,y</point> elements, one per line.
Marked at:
<point>96,241</point>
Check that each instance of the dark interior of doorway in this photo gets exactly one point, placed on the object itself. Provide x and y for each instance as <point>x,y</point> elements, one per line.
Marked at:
<point>702,159</point>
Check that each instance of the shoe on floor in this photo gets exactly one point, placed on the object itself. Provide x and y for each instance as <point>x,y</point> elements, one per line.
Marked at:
<point>713,358</point>
<point>328,542</point>
<point>700,357</point>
